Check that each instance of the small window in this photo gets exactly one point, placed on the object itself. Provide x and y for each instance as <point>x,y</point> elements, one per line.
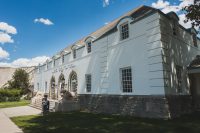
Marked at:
<point>88,79</point>
<point>194,40</point>
<point>45,86</point>
<point>126,79</point>
<point>179,71</point>
<point>89,48</point>
<point>63,59</point>
<point>175,28</point>
<point>74,53</point>
<point>124,31</point>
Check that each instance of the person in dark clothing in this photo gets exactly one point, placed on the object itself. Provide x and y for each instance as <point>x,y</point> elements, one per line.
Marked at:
<point>45,105</point>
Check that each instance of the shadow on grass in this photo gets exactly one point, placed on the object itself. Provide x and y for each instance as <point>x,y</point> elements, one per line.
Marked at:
<point>75,122</point>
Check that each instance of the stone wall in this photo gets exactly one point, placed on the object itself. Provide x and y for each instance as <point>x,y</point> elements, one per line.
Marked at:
<point>179,105</point>
<point>139,106</point>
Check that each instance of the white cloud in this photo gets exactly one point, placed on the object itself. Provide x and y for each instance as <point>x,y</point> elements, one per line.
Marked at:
<point>7,28</point>
<point>43,21</point>
<point>25,62</point>
<point>5,33</point>
<point>5,38</point>
<point>181,21</point>
<point>106,23</point>
<point>166,7</point>
<point>3,54</point>
<point>106,3</point>
<point>160,4</point>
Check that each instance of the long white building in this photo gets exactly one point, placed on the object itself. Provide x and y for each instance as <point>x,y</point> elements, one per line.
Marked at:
<point>140,64</point>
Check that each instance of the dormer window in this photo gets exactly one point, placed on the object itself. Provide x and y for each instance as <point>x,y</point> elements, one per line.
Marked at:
<point>194,40</point>
<point>175,28</point>
<point>74,53</point>
<point>63,59</point>
<point>89,48</point>
<point>124,29</point>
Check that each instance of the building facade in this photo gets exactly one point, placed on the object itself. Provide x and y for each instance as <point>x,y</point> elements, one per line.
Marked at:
<point>136,65</point>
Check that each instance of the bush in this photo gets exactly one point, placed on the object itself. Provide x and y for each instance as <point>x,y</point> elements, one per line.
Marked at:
<point>10,95</point>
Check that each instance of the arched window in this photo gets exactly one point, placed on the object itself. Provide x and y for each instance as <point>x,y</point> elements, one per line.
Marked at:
<point>53,86</point>
<point>73,82</point>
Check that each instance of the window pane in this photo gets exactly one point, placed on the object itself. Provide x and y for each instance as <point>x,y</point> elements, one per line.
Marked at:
<point>126,79</point>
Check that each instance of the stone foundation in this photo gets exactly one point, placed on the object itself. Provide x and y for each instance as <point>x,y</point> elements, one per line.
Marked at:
<point>139,106</point>
<point>179,105</point>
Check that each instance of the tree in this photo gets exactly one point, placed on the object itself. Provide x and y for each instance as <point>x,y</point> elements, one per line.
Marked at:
<point>20,80</point>
<point>193,13</point>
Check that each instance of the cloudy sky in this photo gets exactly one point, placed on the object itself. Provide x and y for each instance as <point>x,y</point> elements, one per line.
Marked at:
<point>31,31</point>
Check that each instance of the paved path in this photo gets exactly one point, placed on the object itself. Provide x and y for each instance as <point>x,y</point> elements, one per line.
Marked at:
<point>6,125</point>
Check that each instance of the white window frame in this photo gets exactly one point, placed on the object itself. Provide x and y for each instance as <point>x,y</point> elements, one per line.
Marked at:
<point>88,83</point>
<point>122,36</point>
<point>122,82</point>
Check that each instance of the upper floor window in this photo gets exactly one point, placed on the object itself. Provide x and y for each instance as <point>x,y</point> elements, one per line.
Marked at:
<point>88,79</point>
<point>126,79</point>
<point>179,71</point>
<point>63,59</point>
<point>74,53</point>
<point>124,29</point>
<point>89,48</point>
<point>194,40</point>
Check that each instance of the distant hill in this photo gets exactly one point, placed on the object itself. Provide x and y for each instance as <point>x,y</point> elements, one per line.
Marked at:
<point>6,74</point>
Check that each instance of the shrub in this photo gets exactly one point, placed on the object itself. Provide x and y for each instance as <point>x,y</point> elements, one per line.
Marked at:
<point>10,95</point>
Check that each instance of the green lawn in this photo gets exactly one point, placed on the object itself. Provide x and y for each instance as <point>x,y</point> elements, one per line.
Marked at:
<point>14,104</point>
<point>81,122</point>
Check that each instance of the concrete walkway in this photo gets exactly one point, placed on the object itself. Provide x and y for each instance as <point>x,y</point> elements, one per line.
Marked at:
<point>6,125</point>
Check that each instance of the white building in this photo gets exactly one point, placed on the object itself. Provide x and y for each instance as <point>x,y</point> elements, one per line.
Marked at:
<point>135,65</point>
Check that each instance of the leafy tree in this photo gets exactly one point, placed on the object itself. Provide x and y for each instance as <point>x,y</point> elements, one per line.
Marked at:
<point>193,13</point>
<point>20,80</point>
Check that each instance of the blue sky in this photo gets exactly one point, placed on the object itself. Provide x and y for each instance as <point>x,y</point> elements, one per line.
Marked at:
<point>44,27</point>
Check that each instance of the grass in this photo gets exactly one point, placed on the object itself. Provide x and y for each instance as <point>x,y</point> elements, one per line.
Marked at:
<point>14,104</point>
<point>81,122</point>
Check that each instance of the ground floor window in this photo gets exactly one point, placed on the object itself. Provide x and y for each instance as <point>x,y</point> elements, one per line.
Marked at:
<point>88,79</point>
<point>179,71</point>
<point>126,79</point>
